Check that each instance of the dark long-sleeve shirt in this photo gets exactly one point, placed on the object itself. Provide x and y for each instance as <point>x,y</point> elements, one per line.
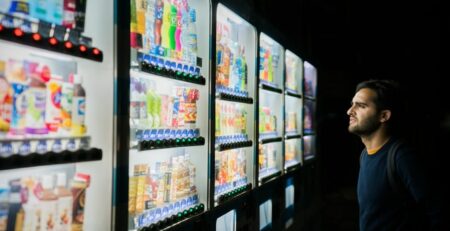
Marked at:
<point>380,207</point>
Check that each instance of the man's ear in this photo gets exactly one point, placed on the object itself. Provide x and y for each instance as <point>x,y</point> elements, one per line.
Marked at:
<point>385,115</point>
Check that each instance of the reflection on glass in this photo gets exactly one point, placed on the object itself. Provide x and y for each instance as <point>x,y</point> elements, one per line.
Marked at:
<point>293,73</point>
<point>265,215</point>
<point>289,203</point>
<point>308,120</point>
<point>230,170</point>
<point>267,159</point>
<point>269,53</point>
<point>309,149</point>
<point>310,80</point>
<point>231,71</point>
<point>227,222</point>
<point>292,152</point>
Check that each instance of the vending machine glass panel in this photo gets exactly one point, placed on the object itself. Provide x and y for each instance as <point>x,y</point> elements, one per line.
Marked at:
<point>234,106</point>
<point>169,108</point>
<point>270,106</point>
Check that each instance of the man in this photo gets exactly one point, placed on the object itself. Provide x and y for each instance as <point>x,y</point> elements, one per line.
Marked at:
<point>374,114</point>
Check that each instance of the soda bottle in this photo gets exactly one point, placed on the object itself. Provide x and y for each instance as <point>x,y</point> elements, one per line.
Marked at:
<point>78,107</point>
<point>172,26</point>
<point>192,41</point>
<point>165,41</point>
<point>158,21</point>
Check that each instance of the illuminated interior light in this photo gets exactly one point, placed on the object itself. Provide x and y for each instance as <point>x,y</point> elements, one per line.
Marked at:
<point>68,45</point>
<point>36,37</point>
<point>53,41</point>
<point>18,32</point>
<point>83,48</point>
<point>96,51</point>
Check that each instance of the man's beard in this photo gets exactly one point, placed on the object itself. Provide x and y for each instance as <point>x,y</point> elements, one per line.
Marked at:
<point>364,128</point>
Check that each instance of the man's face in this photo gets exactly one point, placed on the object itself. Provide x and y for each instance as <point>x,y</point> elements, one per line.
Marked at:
<point>364,117</point>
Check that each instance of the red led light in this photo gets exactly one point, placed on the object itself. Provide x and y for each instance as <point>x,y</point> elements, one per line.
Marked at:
<point>83,48</point>
<point>36,37</point>
<point>1,27</point>
<point>18,32</point>
<point>96,51</point>
<point>68,45</point>
<point>53,41</point>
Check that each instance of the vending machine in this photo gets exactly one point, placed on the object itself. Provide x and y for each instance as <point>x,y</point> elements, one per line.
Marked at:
<point>270,108</point>
<point>56,115</point>
<point>310,88</point>
<point>168,112</point>
<point>293,111</point>
<point>233,132</point>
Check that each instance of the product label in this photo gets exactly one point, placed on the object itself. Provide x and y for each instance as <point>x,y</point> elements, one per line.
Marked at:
<point>64,214</point>
<point>19,108</point>
<point>48,215</point>
<point>35,117</point>
<point>80,108</point>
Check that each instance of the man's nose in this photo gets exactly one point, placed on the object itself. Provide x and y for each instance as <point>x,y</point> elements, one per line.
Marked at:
<point>350,110</point>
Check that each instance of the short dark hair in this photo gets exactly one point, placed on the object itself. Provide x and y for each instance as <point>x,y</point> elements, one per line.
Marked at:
<point>389,96</point>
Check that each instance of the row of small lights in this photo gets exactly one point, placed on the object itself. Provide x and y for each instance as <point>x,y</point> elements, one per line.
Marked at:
<point>17,32</point>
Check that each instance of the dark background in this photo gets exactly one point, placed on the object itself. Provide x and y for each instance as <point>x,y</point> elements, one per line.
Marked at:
<point>351,41</point>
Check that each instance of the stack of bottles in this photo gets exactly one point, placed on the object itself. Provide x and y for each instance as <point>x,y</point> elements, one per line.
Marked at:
<point>70,14</point>
<point>36,103</point>
<point>148,109</point>
<point>231,71</point>
<point>290,151</point>
<point>267,155</point>
<point>165,28</point>
<point>37,203</point>
<point>268,62</point>
<point>231,121</point>
<point>291,68</point>
<point>230,170</point>
<point>291,122</point>
<point>155,116</point>
<point>267,122</point>
<point>308,119</point>
<point>162,189</point>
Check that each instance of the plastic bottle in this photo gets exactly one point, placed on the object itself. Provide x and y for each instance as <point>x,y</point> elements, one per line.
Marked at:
<point>184,36</point>
<point>6,101</point>
<point>143,121</point>
<point>158,21</point>
<point>192,41</point>
<point>134,103</point>
<point>69,14</point>
<point>66,104</point>
<point>165,40</point>
<point>140,16</point>
<point>150,96</point>
<point>178,29</point>
<point>150,19</point>
<point>38,9</point>
<point>64,204</point>
<point>36,97</point>
<point>156,111</point>
<point>48,204</point>
<point>78,107</point>
<point>55,11</point>
<point>172,26</point>
<point>53,104</point>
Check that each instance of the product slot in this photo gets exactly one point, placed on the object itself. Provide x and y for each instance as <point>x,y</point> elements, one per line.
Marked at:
<point>50,158</point>
<point>44,35</point>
